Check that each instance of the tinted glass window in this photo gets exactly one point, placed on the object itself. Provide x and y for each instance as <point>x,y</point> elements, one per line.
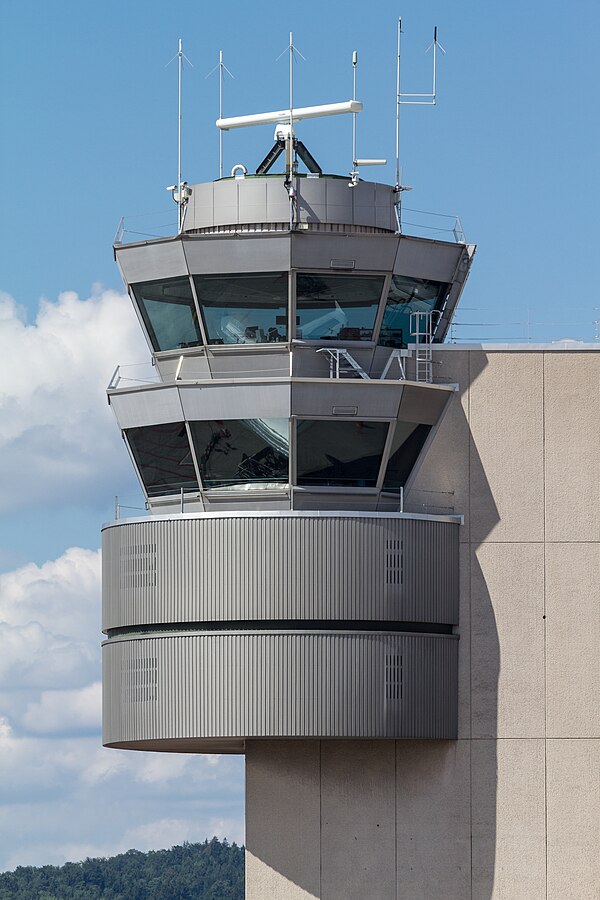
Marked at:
<point>407,443</point>
<point>408,295</point>
<point>340,453</point>
<point>169,314</point>
<point>337,307</point>
<point>244,309</point>
<point>242,452</point>
<point>164,458</point>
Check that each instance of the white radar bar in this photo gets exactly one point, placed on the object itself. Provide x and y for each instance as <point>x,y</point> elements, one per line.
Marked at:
<point>283,115</point>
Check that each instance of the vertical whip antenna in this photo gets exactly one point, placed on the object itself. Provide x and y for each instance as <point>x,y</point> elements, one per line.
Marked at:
<point>222,68</point>
<point>354,172</point>
<point>180,191</point>
<point>289,140</point>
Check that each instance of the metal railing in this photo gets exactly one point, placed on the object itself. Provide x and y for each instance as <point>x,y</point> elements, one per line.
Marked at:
<point>423,223</point>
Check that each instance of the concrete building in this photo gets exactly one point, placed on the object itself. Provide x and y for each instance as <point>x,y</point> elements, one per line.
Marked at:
<point>372,559</point>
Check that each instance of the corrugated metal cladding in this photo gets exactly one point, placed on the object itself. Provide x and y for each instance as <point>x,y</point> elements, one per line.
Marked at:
<point>242,685</point>
<point>312,567</point>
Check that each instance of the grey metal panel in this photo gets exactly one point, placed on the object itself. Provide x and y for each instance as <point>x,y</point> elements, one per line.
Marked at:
<point>243,685</point>
<point>237,253</point>
<point>430,570</point>
<point>254,363</point>
<point>195,365</point>
<point>373,252</point>
<point>278,204</point>
<point>371,399</point>
<point>252,200</point>
<point>340,202</point>
<point>311,200</point>
<point>200,210</point>
<point>283,567</point>
<point>423,258</point>
<point>423,403</point>
<point>152,261</point>
<point>265,199</point>
<point>149,406</point>
<point>238,401</point>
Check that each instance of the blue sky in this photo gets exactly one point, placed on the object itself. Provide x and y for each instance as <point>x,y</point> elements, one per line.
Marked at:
<point>88,114</point>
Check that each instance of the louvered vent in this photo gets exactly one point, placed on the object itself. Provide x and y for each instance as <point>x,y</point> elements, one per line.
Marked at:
<point>393,562</point>
<point>138,566</point>
<point>139,679</point>
<point>393,676</point>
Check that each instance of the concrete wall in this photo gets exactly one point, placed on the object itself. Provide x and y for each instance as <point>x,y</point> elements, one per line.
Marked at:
<point>510,811</point>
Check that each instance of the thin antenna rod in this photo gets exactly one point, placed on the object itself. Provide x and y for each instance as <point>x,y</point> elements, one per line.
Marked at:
<point>398,108</point>
<point>354,65</point>
<point>291,82</point>
<point>222,69</point>
<point>179,202</point>
<point>220,112</point>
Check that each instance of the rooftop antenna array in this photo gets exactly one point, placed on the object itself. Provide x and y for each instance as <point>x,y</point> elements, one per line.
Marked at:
<point>222,68</point>
<point>284,130</point>
<point>411,99</point>
<point>181,192</point>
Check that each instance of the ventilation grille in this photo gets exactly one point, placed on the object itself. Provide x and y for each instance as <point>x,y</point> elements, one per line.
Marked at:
<point>139,679</point>
<point>138,566</point>
<point>393,676</point>
<point>394,568</point>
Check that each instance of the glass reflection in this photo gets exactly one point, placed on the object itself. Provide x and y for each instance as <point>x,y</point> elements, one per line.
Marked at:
<point>163,457</point>
<point>242,452</point>
<point>169,313</point>
<point>244,309</point>
<point>337,307</point>
<point>339,453</point>
<point>407,443</point>
<point>408,295</point>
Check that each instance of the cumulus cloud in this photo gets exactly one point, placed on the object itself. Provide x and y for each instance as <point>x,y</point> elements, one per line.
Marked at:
<point>57,440</point>
<point>57,712</point>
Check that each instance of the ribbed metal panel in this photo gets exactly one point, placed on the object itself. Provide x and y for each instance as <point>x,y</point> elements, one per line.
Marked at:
<point>278,567</point>
<point>231,686</point>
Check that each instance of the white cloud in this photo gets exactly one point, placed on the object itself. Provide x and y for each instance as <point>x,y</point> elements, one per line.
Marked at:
<point>62,595</point>
<point>57,440</point>
<point>59,712</point>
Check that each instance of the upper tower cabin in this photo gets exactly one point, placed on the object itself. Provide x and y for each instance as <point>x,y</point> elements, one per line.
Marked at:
<point>278,588</point>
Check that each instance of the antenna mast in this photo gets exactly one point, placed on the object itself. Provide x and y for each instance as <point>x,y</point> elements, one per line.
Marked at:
<point>222,68</point>
<point>179,199</point>
<point>411,99</point>
<point>354,172</point>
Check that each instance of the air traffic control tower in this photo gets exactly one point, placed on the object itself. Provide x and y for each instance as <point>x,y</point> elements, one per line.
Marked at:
<point>279,595</point>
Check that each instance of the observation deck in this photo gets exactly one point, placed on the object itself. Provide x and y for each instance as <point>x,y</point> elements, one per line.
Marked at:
<point>278,589</point>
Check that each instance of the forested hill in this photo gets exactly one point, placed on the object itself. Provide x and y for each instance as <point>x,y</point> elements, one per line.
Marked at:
<point>213,870</point>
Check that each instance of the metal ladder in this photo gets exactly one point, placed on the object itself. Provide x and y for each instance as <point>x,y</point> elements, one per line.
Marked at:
<point>421,328</point>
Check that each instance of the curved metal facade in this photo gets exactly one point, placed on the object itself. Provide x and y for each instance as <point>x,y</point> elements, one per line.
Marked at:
<point>226,568</point>
<point>223,628</point>
<point>208,692</point>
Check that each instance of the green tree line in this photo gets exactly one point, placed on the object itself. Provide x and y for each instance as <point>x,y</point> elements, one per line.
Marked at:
<point>213,870</point>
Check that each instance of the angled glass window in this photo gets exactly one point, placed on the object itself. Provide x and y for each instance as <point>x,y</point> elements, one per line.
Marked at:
<point>408,295</point>
<point>407,444</point>
<point>250,453</point>
<point>337,307</point>
<point>244,309</point>
<point>339,453</point>
<point>163,457</point>
<point>169,313</point>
